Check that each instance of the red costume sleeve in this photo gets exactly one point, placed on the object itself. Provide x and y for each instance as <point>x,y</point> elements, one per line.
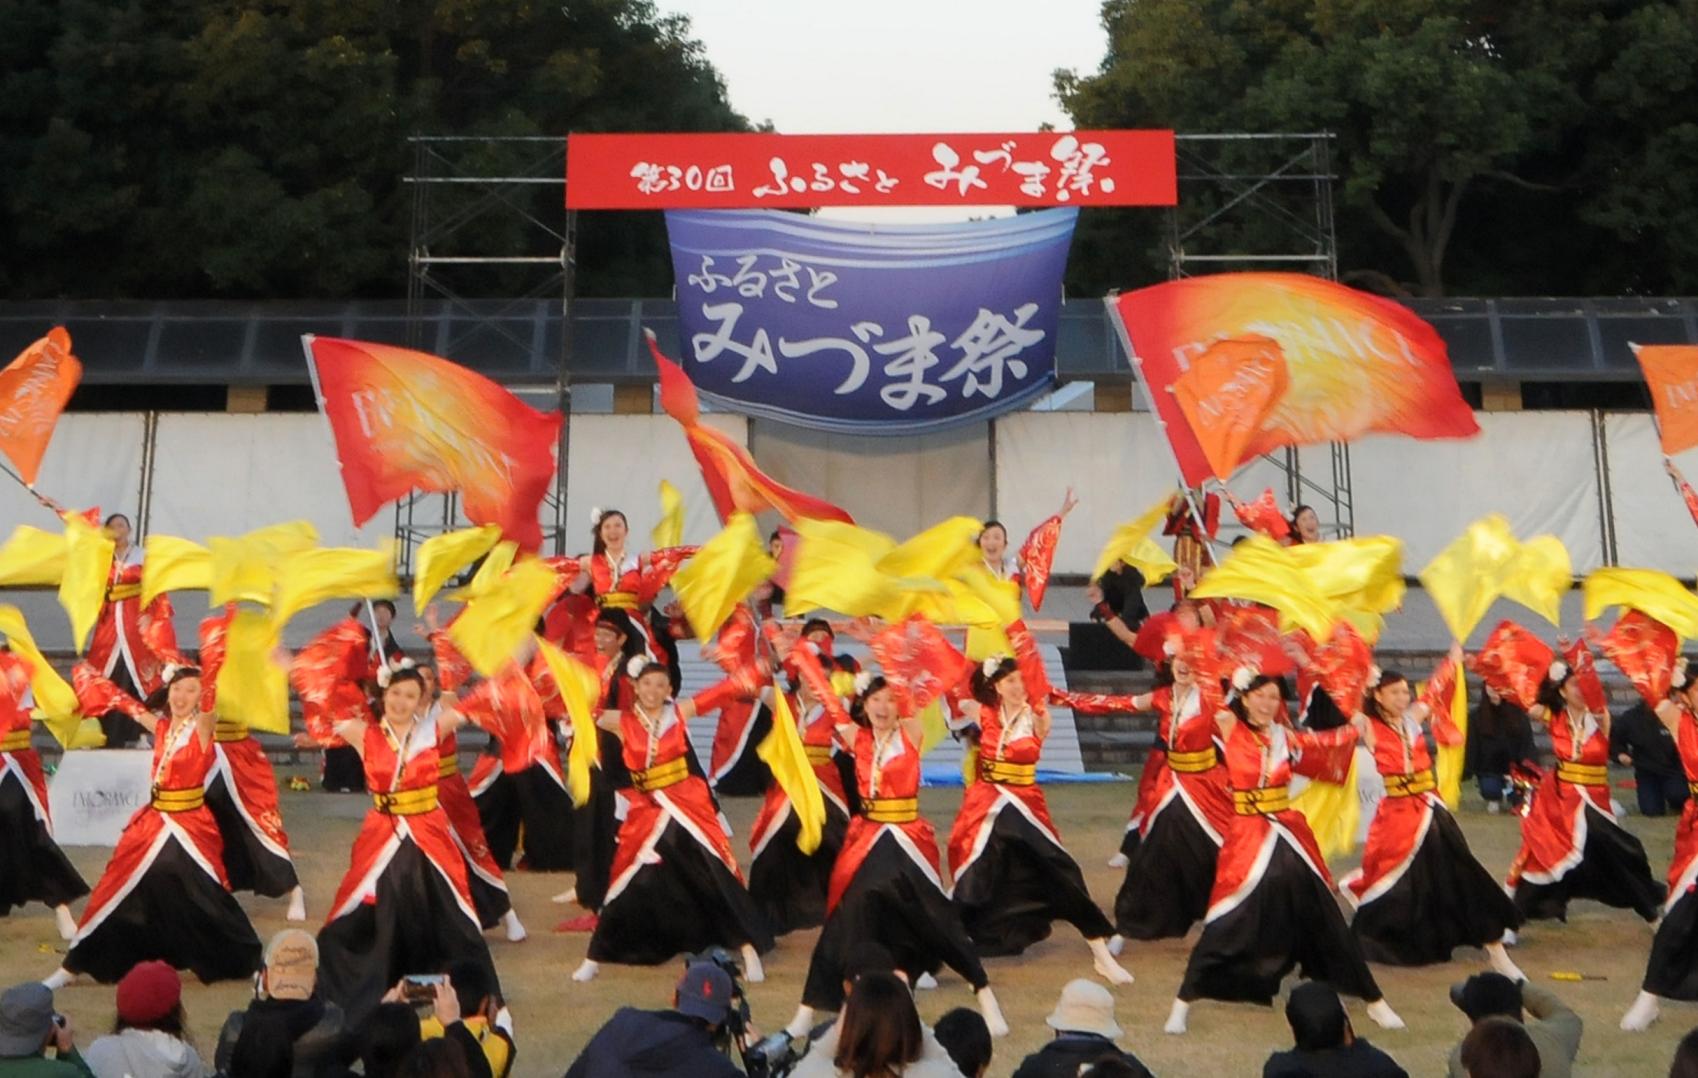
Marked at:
<point>452,668</point>
<point>1031,663</point>
<point>96,695</point>
<point>1263,515</point>
<point>214,631</point>
<point>1644,649</point>
<point>1093,703</point>
<point>1437,695</point>
<point>656,568</point>
<point>1515,663</point>
<point>158,633</point>
<point>804,661</point>
<point>510,708</point>
<point>1036,556</point>
<point>1323,755</point>
<point>326,675</point>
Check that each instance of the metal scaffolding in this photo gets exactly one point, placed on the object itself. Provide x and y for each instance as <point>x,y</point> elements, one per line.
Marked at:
<point>490,238</point>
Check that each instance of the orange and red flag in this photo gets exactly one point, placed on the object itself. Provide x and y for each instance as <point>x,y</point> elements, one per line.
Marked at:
<point>1671,370</point>
<point>1242,363</point>
<point>733,480</point>
<point>405,420</point>
<point>33,390</point>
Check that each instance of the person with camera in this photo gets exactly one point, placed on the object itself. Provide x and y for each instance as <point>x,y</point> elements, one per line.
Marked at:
<point>287,990</point>
<point>29,1026</point>
<point>683,1042</point>
<point>484,1029</point>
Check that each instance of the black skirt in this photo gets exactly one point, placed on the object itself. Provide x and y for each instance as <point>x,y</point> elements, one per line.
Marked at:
<point>1289,921</point>
<point>892,902</point>
<point>498,811</point>
<point>747,775</point>
<point>248,863</point>
<point>545,818</point>
<point>32,866</point>
<point>490,901</point>
<point>789,887</point>
<point>1445,899</point>
<point>595,824</point>
<point>1613,870</point>
<point>415,926</point>
<point>344,772</point>
<point>178,914</point>
<point>1672,970</point>
<point>1169,874</point>
<point>1019,885</point>
<point>686,902</point>
<point>121,731</point>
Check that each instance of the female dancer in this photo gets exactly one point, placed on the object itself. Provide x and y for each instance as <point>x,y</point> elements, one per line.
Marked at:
<point>886,886</point>
<point>1420,893</point>
<point>673,854</point>
<point>241,791</point>
<point>1571,845</point>
<point>613,577</point>
<point>1183,812</point>
<point>1272,908</point>
<point>1030,567</point>
<point>404,905</point>
<point>164,894</point>
<point>32,866</point>
<point>1012,875</point>
<point>122,647</point>
<point>1671,972</point>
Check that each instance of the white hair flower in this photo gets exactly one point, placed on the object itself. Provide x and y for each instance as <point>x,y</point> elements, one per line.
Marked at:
<point>1242,677</point>
<point>596,513</point>
<point>862,680</point>
<point>171,670</point>
<point>636,664</point>
<point>988,667</point>
<point>1374,676</point>
<point>1170,647</point>
<point>1558,671</point>
<point>386,672</point>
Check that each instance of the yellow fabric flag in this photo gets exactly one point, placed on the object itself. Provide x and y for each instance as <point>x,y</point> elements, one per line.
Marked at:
<point>174,564</point>
<point>1363,575</point>
<point>579,688</point>
<point>88,566</point>
<point>1262,571</point>
<point>1334,812</point>
<point>722,574</point>
<point>1003,598</point>
<point>312,576</point>
<point>495,565</point>
<point>939,552</point>
<point>670,530</point>
<point>55,700</point>
<point>1447,768</point>
<point>836,569</point>
<point>1538,576</point>
<point>934,728</point>
<point>782,751</point>
<point>86,735</point>
<point>441,556</point>
<point>32,556</point>
<point>252,687</point>
<point>496,624</point>
<point>245,568</point>
<point>1467,575</point>
<point>1131,543</point>
<point>1655,594</point>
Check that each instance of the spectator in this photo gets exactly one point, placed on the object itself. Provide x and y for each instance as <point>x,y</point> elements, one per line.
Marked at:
<point>879,1035</point>
<point>679,1043</point>
<point>1112,1066</point>
<point>1685,1063</point>
<point>1325,1043</point>
<point>438,1057</point>
<point>1085,1029</point>
<point>1499,735</point>
<point>474,992</point>
<point>1499,1047</point>
<point>387,1039</point>
<point>964,1035</point>
<point>1639,740</point>
<point>1553,1028</point>
<point>288,991</point>
<point>264,1049</point>
<point>28,1027</point>
<point>150,1038</point>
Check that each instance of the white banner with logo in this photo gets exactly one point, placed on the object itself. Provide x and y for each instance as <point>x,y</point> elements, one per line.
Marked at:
<point>94,793</point>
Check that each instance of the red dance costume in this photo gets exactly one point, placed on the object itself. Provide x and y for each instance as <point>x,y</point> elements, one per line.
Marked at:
<point>122,648</point>
<point>487,884</point>
<point>32,866</point>
<point>788,885</point>
<point>1672,970</point>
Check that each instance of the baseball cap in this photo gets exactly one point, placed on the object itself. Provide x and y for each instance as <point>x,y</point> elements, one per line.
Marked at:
<point>291,965</point>
<point>705,992</point>
<point>26,1017</point>
<point>1486,994</point>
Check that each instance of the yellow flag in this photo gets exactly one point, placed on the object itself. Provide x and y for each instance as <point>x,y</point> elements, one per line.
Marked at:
<point>174,564</point>
<point>86,735</point>
<point>245,568</point>
<point>721,575</point>
<point>32,556</point>
<point>88,566</point>
<point>933,726</point>
<point>670,530</point>
<point>55,700</point>
<point>252,687</point>
<point>1363,575</point>
<point>1003,599</point>
<point>1448,767</point>
<point>1467,576</point>
<point>441,556</point>
<point>1262,571</point>
<point>1538,576</point>
<point>496,624</point>
<point>313,576</point>
<point>495,565</point>
<point>1334,812</point>
<point>939,552</point>
<point>1131,543</point>
<point>1655,594</point>
<point>836,569</point>
<point>579,688</point>
<point>782,750</point>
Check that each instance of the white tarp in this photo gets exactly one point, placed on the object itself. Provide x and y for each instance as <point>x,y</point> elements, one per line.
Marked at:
<point>1652,527</point>
<point>94,459</point>
<point>94,793</point>
<point>618,461</point>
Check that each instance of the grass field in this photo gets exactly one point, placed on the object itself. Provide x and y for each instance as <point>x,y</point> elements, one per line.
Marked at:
<point>555,1017</point>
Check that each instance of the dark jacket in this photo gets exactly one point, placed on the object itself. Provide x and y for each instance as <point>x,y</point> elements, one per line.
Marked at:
<point>1640,735</point>
<point>322,1046</point>
<point>651,1044</point>
<point>1063,1056</point>
<point>69,1065</point>
<point>1359,1059</point>
<point>1499,735</point>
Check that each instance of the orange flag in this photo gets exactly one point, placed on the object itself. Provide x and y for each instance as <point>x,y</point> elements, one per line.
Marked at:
<point>405,420</point>
<point>1671,370</point>
<point>733,480</point>
<point>1226,396</point>
<point>1355,364</point>
<point>33,391</point>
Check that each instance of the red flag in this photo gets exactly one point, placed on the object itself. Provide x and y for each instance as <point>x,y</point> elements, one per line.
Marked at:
<point>33,390</point>
<point>406,420</point>
<point>1341,665</point>
<point>919,662</point>
<point>1579,659</point>
<point>1644,649</point>
<point>733,480</point>
<point>1515,663</point>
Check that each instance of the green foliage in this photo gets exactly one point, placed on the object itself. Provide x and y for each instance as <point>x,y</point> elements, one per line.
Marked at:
<point>1483,146</point>
<point>208,148</point>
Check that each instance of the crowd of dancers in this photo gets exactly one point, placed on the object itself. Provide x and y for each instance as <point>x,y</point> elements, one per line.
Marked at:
<point>1218,832</point>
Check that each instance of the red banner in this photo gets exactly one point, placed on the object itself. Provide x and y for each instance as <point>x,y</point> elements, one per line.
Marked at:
<point>1241,363</point>
<point>406,420</point>
<point>33,391</point>
<point>1671,370</point>
<point>744,171</point>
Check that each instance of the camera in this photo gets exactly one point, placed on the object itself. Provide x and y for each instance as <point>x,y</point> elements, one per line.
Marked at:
<point>774,1055</point>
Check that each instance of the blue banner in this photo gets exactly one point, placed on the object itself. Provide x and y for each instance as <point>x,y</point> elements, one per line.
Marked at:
<point>869,328</point>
